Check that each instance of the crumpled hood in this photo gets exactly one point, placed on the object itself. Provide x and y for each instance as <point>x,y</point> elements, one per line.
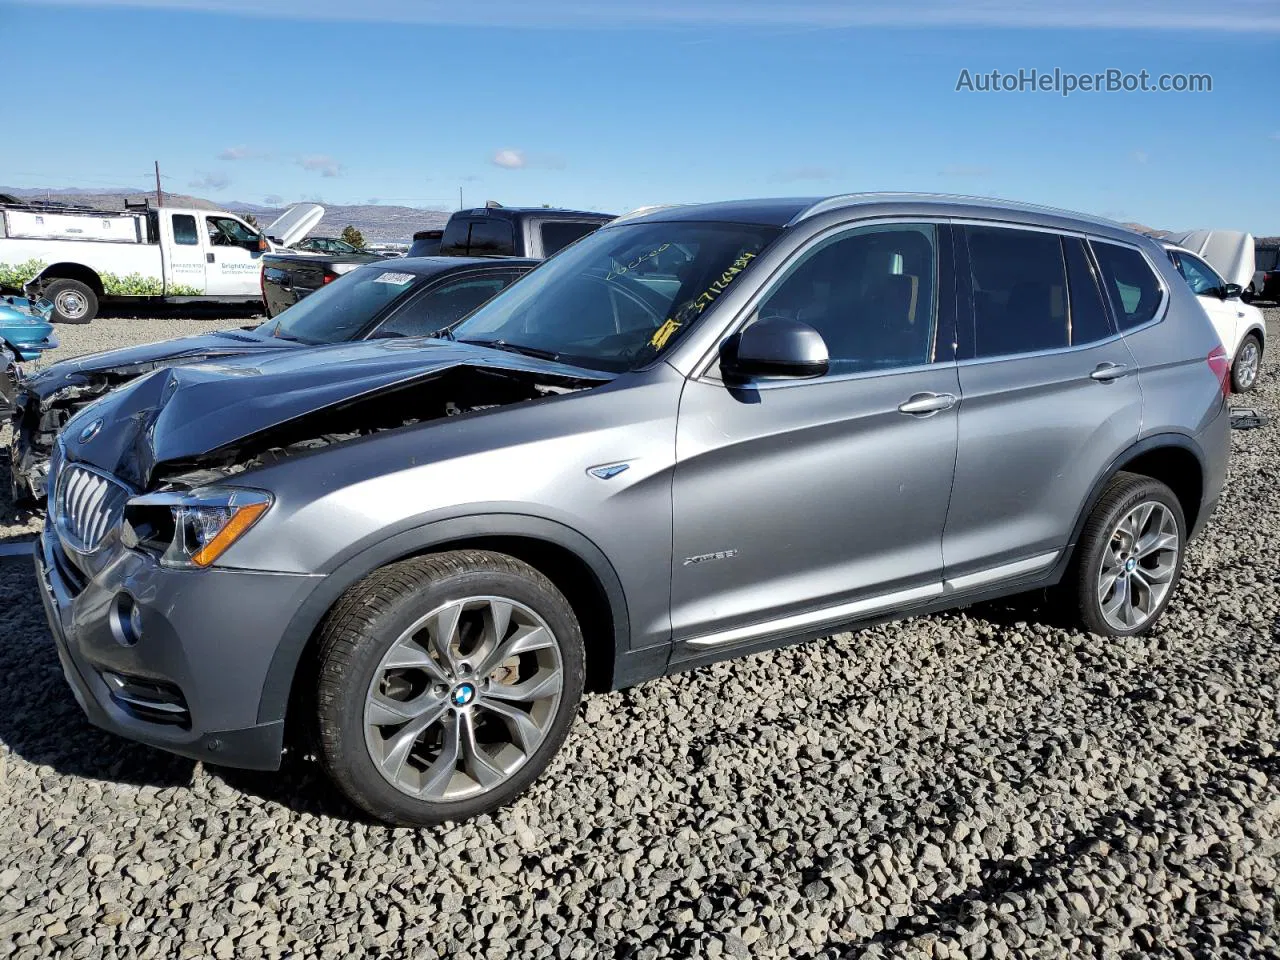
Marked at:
<point>136,361</point>
<point>185,411</point>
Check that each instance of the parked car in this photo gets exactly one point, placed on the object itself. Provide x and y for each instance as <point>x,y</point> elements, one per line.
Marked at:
<point>327,245</point>
<point>75,256</point>
<point>410,299</point>
<point>289,277</point>
<point>426,243</point>
<point>1266,278</point>
<point>25,327</point>
<point>496,231</point>
<point>1240,326</point>
<point>630,463</point>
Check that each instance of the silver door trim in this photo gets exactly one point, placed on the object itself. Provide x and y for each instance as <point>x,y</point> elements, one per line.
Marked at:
<point>814,618</point>
<point>1005,571</point>
<point>854,609</point>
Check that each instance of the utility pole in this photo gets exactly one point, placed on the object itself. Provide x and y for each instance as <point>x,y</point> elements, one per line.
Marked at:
<point>459,198</point>
<point>159,192</point>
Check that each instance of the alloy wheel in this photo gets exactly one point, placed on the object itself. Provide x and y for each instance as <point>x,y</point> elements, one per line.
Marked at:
<point>463,698</point>
<point>1247,365</point>
<point>1138,566</point>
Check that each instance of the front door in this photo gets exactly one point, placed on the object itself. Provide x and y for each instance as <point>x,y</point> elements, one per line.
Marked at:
<point>800,504</point>
<point>232,258</point>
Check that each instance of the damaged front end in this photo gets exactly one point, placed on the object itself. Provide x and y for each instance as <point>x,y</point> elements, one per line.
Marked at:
<point>190,426</point>
<point>45,401</point>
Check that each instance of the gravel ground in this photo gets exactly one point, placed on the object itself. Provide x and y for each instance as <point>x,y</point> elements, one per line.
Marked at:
<point>976,784</point>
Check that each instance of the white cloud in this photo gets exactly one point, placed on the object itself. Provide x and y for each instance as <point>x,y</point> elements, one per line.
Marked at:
<point>210,181</point>
<point>1231,16</point>
<point>509,159</point>
<point>1276,135</point>
<point>240,153</point>
<point>322,164</point>
<point>273,200</point>
<point>1139,156</point>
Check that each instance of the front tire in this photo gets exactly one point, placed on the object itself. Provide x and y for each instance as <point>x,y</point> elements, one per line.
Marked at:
<point>1246,365</point>
<point>446,685</point>
<point>1129,558</point>
<point>73,301</point>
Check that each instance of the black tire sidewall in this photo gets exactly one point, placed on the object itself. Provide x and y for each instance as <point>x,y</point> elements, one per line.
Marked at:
<point>1095,547</point>
<point>350,763</point>
<point>53,289</point>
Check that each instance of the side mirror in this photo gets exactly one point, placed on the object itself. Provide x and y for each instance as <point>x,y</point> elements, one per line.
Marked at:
<point>1231,291</point>
<point>774,347</point>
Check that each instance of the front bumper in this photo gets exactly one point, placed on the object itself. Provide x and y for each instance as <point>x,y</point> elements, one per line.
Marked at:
<point>32,349</point>
<point>206,640</point>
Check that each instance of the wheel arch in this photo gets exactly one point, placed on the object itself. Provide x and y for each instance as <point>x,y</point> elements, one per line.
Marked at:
<point>577,567</point>
<point>69,270</point>
<point>1175,459</point>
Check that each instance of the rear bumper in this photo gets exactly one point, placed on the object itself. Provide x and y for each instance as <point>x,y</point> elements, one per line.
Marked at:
<point>206,641</point>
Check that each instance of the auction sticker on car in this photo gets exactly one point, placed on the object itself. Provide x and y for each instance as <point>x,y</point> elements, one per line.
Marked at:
<point>399,279</point>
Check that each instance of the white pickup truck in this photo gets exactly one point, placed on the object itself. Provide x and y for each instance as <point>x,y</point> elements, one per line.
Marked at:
<point>77,256</point>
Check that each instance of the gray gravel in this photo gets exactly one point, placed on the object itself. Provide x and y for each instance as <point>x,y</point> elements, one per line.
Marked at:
<point>976,784</point>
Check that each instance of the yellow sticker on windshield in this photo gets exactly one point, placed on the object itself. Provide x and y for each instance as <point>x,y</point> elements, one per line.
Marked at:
<point>663,334</point>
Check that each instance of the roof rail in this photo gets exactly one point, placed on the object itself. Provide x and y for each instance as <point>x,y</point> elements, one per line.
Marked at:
<point>843,200</point>
<point>641,211</point>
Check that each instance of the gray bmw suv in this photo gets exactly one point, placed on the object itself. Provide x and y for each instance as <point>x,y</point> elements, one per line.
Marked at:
<point>699,432</point>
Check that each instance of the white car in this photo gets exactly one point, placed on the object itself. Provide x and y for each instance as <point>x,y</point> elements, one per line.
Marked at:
<point>1240,325</point>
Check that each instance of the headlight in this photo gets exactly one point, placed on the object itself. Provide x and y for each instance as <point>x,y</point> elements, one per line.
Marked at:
<point>192,529</point>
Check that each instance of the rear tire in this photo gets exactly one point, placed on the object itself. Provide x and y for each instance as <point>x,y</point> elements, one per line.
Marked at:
<point>73,301</point>
<point>1247,364</point>
<point>446,685</point>
<point>1129,558</point>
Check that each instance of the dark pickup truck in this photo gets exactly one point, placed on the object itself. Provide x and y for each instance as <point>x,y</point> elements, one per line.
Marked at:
<point>490,231</point>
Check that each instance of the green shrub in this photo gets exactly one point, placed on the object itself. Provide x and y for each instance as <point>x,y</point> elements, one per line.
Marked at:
<point>15,275</point>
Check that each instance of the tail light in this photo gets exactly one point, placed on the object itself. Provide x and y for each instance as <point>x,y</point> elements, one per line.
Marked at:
<point>329,276</point>
<point>1220,364</point>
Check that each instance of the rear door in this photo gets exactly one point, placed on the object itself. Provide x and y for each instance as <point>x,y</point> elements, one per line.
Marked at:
<point>183,243</point>
<point>1049,397</point>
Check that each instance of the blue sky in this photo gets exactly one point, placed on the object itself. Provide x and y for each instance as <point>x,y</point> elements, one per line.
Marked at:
<point>611,106</point>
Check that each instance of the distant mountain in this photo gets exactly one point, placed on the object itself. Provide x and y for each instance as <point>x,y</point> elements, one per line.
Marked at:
<point>377,222</point>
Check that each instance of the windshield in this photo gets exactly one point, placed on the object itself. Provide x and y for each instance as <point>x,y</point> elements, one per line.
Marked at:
<point>340,310</point>
<point>618,298</point>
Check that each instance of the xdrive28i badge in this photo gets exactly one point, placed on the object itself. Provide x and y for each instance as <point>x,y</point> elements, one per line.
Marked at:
<point>91,431</point>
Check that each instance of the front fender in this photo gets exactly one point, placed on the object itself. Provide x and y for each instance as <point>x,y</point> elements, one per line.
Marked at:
<point>421,539</point>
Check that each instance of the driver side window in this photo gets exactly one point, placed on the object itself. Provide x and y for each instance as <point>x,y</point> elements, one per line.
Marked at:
<point>870,292</point>
<point>1199,275</point>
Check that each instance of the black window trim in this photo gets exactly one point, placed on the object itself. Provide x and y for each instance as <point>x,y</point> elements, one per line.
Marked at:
<point>707,369</point>
<point>964,288</point>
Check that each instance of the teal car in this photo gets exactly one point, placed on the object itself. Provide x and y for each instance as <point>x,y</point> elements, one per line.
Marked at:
<point>25,333</point>
<point>25,328</point>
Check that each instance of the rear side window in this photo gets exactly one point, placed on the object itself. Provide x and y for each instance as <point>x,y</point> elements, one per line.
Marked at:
<point>184,230</point>
<point>1087,320</point>
<point>557,236</point>
<point>1019,288</point>
<point>1132,288</point>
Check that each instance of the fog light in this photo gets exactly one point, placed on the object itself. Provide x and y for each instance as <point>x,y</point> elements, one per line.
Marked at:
<point>125,620</point>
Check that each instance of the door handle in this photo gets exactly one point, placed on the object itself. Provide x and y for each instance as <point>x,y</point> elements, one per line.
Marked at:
<point>927,404</point>
<point>1106,372</point>
<point>208,258</point>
